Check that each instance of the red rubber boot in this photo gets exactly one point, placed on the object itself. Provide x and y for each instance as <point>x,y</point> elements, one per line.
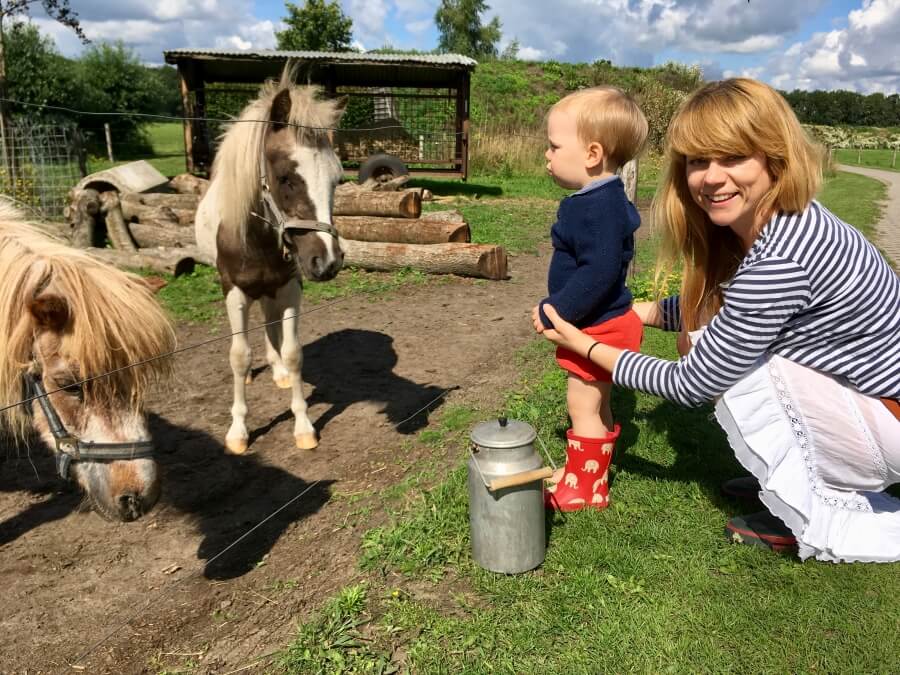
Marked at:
<point>585,480</point>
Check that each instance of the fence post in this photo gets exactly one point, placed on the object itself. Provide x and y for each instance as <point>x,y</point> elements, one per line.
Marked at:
<point>108,141</point>
<point>858,156</point>
<point>894,160</point>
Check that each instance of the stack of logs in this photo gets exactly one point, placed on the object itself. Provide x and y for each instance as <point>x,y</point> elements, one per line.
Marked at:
<point>382,228</point>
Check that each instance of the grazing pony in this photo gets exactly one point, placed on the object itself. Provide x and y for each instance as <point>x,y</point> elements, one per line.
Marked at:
<point>266,219</point>
<point>66,317</point>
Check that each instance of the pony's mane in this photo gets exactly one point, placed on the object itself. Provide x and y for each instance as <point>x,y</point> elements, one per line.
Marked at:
<point>115,320</point>
<point>236,166</point>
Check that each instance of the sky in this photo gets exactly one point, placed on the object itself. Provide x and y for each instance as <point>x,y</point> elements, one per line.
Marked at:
<point>791,44</point>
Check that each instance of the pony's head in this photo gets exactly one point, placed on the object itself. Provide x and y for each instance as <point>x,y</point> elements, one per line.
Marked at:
<point>294,152</point>
<point>66,318</point>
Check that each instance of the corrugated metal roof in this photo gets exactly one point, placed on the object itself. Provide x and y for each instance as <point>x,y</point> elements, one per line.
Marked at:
<point>334,57</point>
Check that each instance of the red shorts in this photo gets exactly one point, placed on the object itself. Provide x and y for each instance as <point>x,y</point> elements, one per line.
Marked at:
<point>624,332</point>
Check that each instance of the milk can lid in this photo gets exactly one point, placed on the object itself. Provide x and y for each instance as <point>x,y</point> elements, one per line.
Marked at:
<point>503,434</point>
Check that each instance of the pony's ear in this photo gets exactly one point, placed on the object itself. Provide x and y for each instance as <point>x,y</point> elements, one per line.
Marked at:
<point>281,109</point>
<point>340,106</point>
<point>50,312</point>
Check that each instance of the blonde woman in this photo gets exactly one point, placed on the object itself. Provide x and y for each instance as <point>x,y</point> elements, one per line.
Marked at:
<point>794,320</point>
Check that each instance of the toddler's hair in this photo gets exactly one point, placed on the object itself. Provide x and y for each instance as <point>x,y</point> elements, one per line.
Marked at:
<point>608,116</point>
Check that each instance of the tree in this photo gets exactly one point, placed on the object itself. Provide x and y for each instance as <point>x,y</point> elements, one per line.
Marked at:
<point>37,74</point>
<point>55,9</point>
<point>459,23</point>
<point>317,26</point>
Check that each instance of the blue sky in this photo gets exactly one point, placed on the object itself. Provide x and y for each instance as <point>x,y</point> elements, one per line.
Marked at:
<point>807,44</point>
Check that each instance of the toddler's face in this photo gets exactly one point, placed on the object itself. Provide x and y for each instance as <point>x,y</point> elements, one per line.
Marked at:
<point>566,154</point>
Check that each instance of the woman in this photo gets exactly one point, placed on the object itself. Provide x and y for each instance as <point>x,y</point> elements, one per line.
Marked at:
<point>794,319</point>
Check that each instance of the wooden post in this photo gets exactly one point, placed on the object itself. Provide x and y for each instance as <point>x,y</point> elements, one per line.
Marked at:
<point>109,152</point>
<point>858,156</point>
<point>462,123</point>
<point>188,114</point>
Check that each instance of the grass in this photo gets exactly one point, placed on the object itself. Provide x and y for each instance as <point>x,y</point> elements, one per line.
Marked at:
<point>855,199</point>
<point>649,585</point>
<point>875,159</point>
<point>167,139</point>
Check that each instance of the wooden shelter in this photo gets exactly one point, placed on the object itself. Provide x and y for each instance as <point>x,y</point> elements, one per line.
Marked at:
<point>410,107</point>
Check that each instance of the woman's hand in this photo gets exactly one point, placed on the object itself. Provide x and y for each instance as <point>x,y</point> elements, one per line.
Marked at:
<point>562,332</point>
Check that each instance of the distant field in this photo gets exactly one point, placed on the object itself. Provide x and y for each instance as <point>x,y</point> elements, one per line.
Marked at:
<point>876,159</point>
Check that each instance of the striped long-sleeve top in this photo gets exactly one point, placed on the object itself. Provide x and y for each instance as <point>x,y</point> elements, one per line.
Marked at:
<point>811,289</point>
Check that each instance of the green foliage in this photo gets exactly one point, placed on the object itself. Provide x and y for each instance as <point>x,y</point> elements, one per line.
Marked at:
<point>316,26</point>
<point>845,108</point>
<point>36,72</point>
<point>334,643</point>
<point>461,30</point>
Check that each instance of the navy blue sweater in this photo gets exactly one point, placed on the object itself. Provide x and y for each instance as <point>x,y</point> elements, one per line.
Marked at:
<point>593,242</point>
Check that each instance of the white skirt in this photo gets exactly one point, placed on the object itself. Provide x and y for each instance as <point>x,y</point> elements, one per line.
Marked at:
<point>823,455</point>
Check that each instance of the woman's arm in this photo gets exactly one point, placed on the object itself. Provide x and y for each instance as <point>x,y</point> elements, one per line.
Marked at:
<point>650,313</point>
<point>758,304</point>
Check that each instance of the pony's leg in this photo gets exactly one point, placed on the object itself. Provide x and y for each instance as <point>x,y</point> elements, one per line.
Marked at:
<point>287,305</point>
<point>273,345</point>
<point>238,306</point>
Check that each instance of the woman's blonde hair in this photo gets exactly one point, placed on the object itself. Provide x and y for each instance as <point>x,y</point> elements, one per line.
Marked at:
<point>608,116</point>
<point>735,117</point>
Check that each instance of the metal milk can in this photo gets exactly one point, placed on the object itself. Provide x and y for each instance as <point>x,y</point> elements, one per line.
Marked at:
<point>506,497</point>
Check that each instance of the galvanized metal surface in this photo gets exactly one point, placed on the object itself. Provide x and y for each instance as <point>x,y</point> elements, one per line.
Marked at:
<point>507,525</point>
<point>336,57</point>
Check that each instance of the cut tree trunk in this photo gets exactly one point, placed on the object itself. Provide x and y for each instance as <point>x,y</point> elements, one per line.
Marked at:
<point>135,211</point>
<point>175,261</point>
<point>116,229</point>
<point>189,184</point>
<point>452,216</point>
<point>80,215</point>
<point>162,233</point>
<point>171,199</point>
<point>401,230</point>
<point>366,203</point>
<point>472,260</point>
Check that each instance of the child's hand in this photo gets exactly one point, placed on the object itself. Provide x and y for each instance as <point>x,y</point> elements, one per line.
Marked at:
<point>536,319</point>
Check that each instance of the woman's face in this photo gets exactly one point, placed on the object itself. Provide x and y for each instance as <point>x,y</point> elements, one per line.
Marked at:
<point>730,189</point>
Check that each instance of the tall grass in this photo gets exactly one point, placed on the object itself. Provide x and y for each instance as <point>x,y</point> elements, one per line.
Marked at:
<point>505,150</point>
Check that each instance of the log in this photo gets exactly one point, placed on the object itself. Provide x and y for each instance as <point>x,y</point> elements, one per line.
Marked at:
<point>473,260</point>
<point>116,229</point>
<point>135,211</point>
<point>370,203</point>
<point>401,230</point>
<point>176,261</point>
<point>189,184</point>
<point>452,216</point>
<point>80,216</point>
<point>152,234</point>
<point>171,199</point>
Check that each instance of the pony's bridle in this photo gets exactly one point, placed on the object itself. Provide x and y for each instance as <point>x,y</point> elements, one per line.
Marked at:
<point>70,448</point>
<point>275,217</point>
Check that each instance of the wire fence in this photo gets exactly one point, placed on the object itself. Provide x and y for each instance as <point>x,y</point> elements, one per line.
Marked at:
<point>40,163</point>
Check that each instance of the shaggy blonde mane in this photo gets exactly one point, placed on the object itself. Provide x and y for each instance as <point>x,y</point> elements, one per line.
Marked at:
<point>236,166</point>
<point>114,320</point>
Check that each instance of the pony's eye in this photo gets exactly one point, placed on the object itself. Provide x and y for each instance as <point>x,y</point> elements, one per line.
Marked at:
<point>72,388</point>
<point>284,180</point>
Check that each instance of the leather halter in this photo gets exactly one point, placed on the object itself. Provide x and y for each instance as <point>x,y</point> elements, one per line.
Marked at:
<point>275,217</point>
<point>70,448</point>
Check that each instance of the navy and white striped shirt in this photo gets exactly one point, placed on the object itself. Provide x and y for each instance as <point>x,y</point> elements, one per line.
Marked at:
<point>811,289</point>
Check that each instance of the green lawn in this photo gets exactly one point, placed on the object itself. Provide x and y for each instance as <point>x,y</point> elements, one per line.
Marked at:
<point>649,585</point>
<point>167,139</point>
<point>876,159</point>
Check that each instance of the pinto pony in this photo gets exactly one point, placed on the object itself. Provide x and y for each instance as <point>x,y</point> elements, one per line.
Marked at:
<point>64,318</point>
<point>266,219</point>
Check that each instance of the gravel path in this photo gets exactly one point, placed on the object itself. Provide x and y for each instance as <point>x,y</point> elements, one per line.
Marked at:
<point>888,228</point>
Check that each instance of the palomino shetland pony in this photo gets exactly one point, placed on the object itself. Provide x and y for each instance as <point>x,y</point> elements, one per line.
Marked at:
<point>66,317</point>
<point>266,218</point>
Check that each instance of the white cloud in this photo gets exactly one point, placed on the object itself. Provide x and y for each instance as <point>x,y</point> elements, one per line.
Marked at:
<point>864,56</point>
<point>530,54</point>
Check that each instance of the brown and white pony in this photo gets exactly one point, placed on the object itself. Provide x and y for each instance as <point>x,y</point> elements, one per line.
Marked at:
<point>266,219</point>
<point>66,317</point>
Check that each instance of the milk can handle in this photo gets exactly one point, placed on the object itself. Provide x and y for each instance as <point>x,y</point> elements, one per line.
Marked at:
<point>515,479</point>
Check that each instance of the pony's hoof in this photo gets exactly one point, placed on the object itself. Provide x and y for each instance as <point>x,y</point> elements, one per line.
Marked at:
<point>237,446</point>
<point>306,441</point>
<point>283,382</point>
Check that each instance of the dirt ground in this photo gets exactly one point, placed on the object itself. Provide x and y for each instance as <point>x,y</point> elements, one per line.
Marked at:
<point>173,588</point>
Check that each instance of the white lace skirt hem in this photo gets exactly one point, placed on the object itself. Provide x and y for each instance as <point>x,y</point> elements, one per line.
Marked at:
<point>796,431</point>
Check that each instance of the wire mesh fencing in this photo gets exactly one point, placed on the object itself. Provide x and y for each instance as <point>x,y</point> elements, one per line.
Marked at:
<point>39,164</point>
